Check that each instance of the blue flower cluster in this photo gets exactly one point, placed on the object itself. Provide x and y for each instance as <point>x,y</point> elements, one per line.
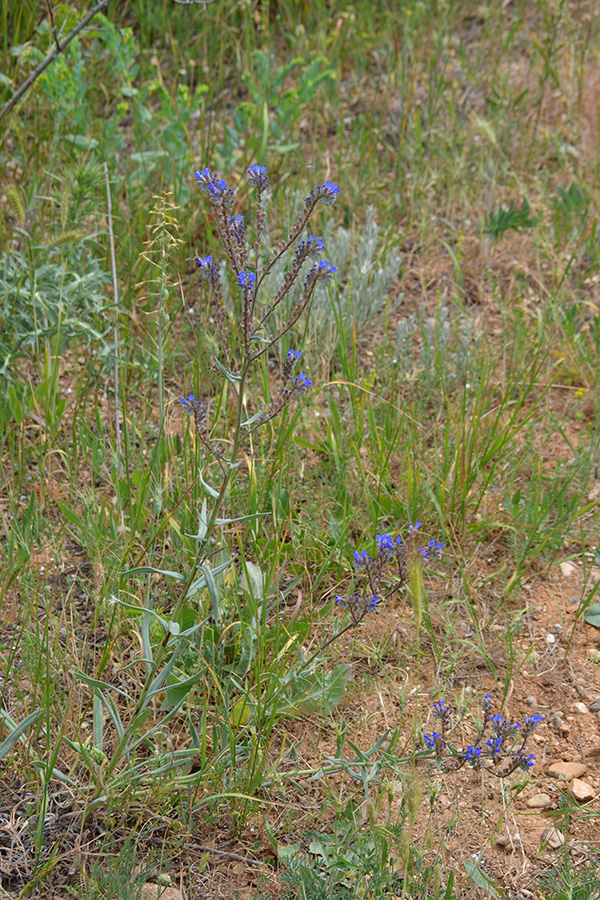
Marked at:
<point>502,753</point>
<point>386,571</point>
<point>246,280</point>
<point>231,228</point>
<point>258,177</point>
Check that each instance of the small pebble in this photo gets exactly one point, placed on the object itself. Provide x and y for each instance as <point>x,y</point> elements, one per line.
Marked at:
<point>533,704</point>
<point>552,838</point>
<point>567,570</point>
<point>539,801</point>
<point>580,708</point>
<point>550,638</point>
<point>581,790</point>
<point>594,706</point>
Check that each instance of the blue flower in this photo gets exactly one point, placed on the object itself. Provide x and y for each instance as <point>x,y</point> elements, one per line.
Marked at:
<point>341,601</point>
<point>204,263</point>
<point>327,192</point>
<point>204,180</point>
<point>385,541</point>
<point>294,354</point>
<point>415,526</point>
<point>192,406</point>
<point>238,229</point>
<point>258,177</point>
<point>301,383</point>
<point>535,719</point>
<point>472,753</point>
<point>430,739</point>
<point>246,280</point>
<point>440,709</point>
<point>315,245</point>
<point>374,601</point>
<point>361,558</point>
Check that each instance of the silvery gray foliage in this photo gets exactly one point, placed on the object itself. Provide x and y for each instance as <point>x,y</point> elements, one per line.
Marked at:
<point>40,301</point>
<point>446,350</point>
<point>361,289</point>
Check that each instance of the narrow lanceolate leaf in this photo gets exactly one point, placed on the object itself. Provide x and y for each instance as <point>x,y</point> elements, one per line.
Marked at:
<point>255,418</point>
<point>98,720</point>
<point>209,490</point>
<point>233,379</point>
<point>201,581</point>
<point>146,644</point>
<point>150,570</point>
<point>18,731</point>
<point>213,591</point>
<point>95,683</point>
<point>202,523</point>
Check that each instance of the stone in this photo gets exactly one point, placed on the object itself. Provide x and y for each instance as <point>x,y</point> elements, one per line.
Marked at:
<point>594,706</point>
<point>552,838</point>
<point>566,771</point>
<point>568,570</point>
<point>580,708</point>
<point>581,790</point>
<point>539,801</point>
<point>595,574</point>
<point>532,702</point>
<point>158,892</point>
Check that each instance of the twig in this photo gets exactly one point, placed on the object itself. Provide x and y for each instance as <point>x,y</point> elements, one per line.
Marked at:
<point>228,854</point>
<point>116,315</point>
<point>52,24</point>
<point>51,56</point>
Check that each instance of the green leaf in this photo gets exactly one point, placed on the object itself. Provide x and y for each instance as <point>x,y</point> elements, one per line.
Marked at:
<point>18,730</point>
<point>230,376</point>
<point>81,142</point>
<point>150,570</point>
<point>207,487</point>
<point>283,148</point>
<point>254,581</point>
<point>148,156</point>
<point>483,881</point>
<point>95,683</point>
<point>322,691</point>
<point>592,615</point>
<point>177,691</point>
<point>201,582</point>
<point>511,218</point>
<point>240,712</point>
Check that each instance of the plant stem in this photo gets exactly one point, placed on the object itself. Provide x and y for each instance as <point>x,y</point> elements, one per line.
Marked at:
<point>200,557</point>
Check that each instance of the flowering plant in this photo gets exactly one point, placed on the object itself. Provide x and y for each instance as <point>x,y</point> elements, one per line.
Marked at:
<point>250,264</point>
<point>504,751</point>
<point>390,568</point>
<point>250,270</point>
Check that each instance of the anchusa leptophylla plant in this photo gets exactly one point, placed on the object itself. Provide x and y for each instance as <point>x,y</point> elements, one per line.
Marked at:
<point>386,571</point>
<point>249,268</point>
<point>242,340</point>
<point>500,746</point>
